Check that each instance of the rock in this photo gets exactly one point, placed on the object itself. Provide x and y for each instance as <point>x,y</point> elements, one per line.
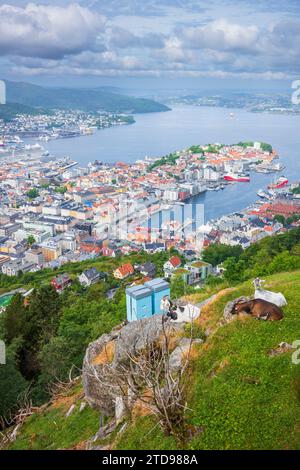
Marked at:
<point>100,394</point>
<point>228,310</point>
<point>282,348</point>
<point>82,406</point>
<point>70,411</point>
<point>120,409</point>
<point>135,336</point>
<point>177,356</point>
<point>284,345</point>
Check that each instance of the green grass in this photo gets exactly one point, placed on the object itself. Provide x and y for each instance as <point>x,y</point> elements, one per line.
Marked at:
<point>241,397</point>
<point>51,429</point>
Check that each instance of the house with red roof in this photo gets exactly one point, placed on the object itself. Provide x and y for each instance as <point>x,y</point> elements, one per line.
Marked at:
<point>122,272</point>
<point>61,282</point>
<point>170,266</point>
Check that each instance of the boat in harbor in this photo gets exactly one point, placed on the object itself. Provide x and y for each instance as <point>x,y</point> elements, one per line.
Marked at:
<point>279,183</point>
<point>261,193</point>
<point>241,178</point>
<point>264,194</point>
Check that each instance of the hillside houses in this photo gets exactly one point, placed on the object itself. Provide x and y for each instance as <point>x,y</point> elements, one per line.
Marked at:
<point>91,276</point>
<point>193,273</point>
<point>16,266</point>
<point>147,269</point>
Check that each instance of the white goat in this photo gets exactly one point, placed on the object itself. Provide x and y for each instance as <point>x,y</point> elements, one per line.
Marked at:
<point>276,298</point>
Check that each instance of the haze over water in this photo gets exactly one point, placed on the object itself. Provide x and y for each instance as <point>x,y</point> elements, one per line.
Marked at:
<point>160,133</point>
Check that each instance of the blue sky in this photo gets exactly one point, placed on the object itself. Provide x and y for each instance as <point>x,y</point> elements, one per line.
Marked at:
<point>101,41</point>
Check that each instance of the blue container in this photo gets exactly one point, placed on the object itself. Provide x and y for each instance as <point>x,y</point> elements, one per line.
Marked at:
<point>160,288</point>
<point>138,303</point>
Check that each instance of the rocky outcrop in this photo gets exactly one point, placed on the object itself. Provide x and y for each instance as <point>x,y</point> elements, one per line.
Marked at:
<point>111,353</point>
<point>177,356</point>
<point>135,336</point>
<point>98,394</point>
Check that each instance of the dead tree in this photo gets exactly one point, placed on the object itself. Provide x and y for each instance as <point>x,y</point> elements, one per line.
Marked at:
<point>146,377</point>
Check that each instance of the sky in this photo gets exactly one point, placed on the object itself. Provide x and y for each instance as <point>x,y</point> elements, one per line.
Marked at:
<point>178,42</point>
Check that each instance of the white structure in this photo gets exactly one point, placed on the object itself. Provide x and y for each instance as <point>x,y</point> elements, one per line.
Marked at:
<point>2,353</point>
<point>2,92</point>
<point>276,298</point>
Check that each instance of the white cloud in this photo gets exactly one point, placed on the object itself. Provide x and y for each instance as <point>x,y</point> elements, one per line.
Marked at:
<point>73,39</point>
<point>221,35</point>
<point>48,31</point>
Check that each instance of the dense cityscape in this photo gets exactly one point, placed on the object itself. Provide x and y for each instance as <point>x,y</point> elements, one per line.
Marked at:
<point>54,211</point>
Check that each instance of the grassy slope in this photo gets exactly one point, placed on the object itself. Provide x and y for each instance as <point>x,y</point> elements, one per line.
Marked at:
<point>50,429</point>
<point>240,396</point>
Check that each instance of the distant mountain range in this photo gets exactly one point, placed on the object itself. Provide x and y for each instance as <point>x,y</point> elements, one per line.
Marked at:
<point>90,100</point>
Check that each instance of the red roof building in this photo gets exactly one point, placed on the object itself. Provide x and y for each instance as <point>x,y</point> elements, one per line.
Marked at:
<point>61,282</point>
<point>124,271</point>
<point>175,261</point>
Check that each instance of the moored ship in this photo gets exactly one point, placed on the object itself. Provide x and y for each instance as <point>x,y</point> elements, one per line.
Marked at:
<point>236,177</point>
<point>279,183</point>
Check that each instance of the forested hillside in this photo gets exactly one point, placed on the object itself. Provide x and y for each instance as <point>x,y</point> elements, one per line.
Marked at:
<point>96,99</point>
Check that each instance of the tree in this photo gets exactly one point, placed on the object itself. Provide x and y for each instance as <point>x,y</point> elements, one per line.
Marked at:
<point>55,359</point>
<point>32,193</point>
<point>177,287</point>
<point>12,384</point>
<point>234,270</point>
<point>39,324</point>
<point>279,218</point>
<point>217,253</point>
<point>41,319</point>
<point>61,189</point>
<point>31,240</point>
<point>12,320</point>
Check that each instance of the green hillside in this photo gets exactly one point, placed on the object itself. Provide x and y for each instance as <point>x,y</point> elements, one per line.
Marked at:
<point>240,395</point>
<point>90,100</point>
<point>10,110</point>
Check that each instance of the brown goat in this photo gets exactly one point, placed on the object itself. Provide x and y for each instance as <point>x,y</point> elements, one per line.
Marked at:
<point>260,309</point>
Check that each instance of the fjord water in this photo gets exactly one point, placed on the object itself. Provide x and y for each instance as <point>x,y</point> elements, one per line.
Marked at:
<point>157,134</point>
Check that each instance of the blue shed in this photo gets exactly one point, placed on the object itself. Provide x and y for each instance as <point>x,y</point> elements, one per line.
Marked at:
<point>138,303</point>
<point>160,288</point>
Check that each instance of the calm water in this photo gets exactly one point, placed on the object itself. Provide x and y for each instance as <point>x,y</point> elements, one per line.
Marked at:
<point>160,133</point>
